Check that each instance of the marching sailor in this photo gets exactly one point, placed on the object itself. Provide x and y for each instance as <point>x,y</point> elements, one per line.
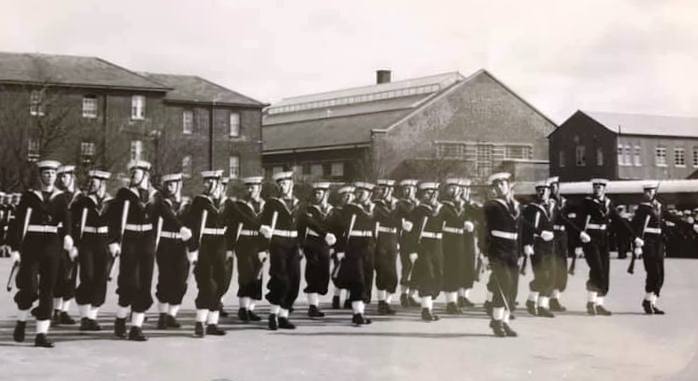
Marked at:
<point>279,228</point>
<point>225,203</point>
<point>317,243</point>
<point>170,250</point>
<point>407,202</point>
<point>346,196</point>
<point>90,231</point>
<point>537,240</point>
<point>41,230</point>
<point>355,248</point>
<point>502,219</point>
<point>453,244</point>
<point>207,254</point>
<point>132,237</point>
<point>469,272</point>
<point>389,227</point>
<point>243,220</point>
<point>595,215</point>
<point>64,292</point>
<point>562,222</point>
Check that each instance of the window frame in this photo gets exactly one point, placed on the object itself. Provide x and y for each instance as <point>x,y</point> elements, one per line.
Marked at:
<point>238,125</point>
<point>86,112</point>
<point>138,107</point>
<point>682,155</point>
<point>185,130</point>
<point>36,103</point>
<point>136,149</point>
<point>237,160</point>
<point>660,152</point>
<point>580,159</point>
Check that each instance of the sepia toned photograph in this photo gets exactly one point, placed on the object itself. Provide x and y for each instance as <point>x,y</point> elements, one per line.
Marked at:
<point>316,190</point>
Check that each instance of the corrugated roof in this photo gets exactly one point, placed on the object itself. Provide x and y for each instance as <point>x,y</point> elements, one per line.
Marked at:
<point>428,84</point>
<point>191,88</point>
<point>641,124</point>
<point>347,130</point>
<point>66,70</point>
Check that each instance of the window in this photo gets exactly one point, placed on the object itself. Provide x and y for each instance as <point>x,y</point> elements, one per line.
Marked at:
<point>580,156</point>
<point>561,159</point>
<point>337,169</point>
<point>316,169</point>
<point>695,156</point>
<point>638,159</point>
<point>187,122</point>
<point>449,150</point>
<point>187,167</point>
<point>621,158</point>
<point>136,149</point>
<point>518,152</point>
<point>660,156</point>
<point>36,106</point>
<point>137,107</point>
<point>277,169</point>
<point>679,157</point>
<point>234,166</point>
<point>87,151</point>
<point>234,131</point>
<point>89,106</point>
<point>628,155</point>
<point>33,150</point>
<point>599,157</point>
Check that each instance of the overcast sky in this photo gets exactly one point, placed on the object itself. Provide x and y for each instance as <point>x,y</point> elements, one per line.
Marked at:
<point>604,55</point>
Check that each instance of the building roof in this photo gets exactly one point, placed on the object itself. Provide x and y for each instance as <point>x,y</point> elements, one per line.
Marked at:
<point>641,124</point>
<point>194,89</point>
<point>349,117</point>
<point>72,71</point>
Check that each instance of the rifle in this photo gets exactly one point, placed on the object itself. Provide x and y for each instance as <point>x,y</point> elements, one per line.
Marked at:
<point>27,217</point>
<point>274,217</point>
<point>419,240</point>
<point>124,218</point>
<point>631,267</point>
<point>335,272</point>
<point>573,265</point>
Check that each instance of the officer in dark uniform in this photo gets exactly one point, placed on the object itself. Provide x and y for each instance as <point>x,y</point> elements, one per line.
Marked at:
<point>207,251</point>
<point>502,216</point>
<point>41,230</point>
<point>346,196</point>
<point>131,235</point>
<point>317,242</point>
<point>389,228</point>
<point>355,250</point>
<point>425,249</point>
<point>170,250</point>
<point>90,231</point>
<point>243,219</point>
<point>472,229</point>
<point>280,228</point>
<point>453,244</point>
<point>407,202</point>
<point>64,291</point>
<point>537,239</point>
<point>595,215</point>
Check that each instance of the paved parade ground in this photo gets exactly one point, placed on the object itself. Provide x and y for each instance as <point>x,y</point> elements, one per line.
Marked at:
<point>574,346</point>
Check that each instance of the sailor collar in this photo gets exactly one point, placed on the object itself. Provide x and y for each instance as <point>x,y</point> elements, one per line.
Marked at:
<point>55,192</point>
<point>513,213</point>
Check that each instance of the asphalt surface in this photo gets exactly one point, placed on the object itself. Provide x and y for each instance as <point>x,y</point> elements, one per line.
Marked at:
<point>572,346</point>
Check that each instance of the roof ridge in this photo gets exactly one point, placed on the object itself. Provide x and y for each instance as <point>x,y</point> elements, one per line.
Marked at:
<point>132,72</point>
<point>371,85</point>
<point>587,112</point>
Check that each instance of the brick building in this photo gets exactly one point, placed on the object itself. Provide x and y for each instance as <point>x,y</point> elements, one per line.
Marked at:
<point>93,113</point>
<point>431,127</point>
<point>624,147</point>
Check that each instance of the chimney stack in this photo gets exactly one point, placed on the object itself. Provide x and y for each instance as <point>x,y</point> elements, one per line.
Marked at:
<point>382,76</point>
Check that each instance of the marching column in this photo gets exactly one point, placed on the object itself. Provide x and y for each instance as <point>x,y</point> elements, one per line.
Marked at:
<point>454,260</point>
<point>36,241</point>
<point>502,216</point>
<point>90,229</point>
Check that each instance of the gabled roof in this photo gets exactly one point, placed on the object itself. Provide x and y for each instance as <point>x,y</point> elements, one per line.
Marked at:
<point>641,124</point>
<point>71,71</point>
<point>333,123</point>
<point>194,89</point>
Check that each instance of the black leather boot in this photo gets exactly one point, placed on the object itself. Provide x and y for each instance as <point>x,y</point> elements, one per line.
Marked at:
<point>19,332</point>
<point>42,341</point>
<point>120,328</point>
